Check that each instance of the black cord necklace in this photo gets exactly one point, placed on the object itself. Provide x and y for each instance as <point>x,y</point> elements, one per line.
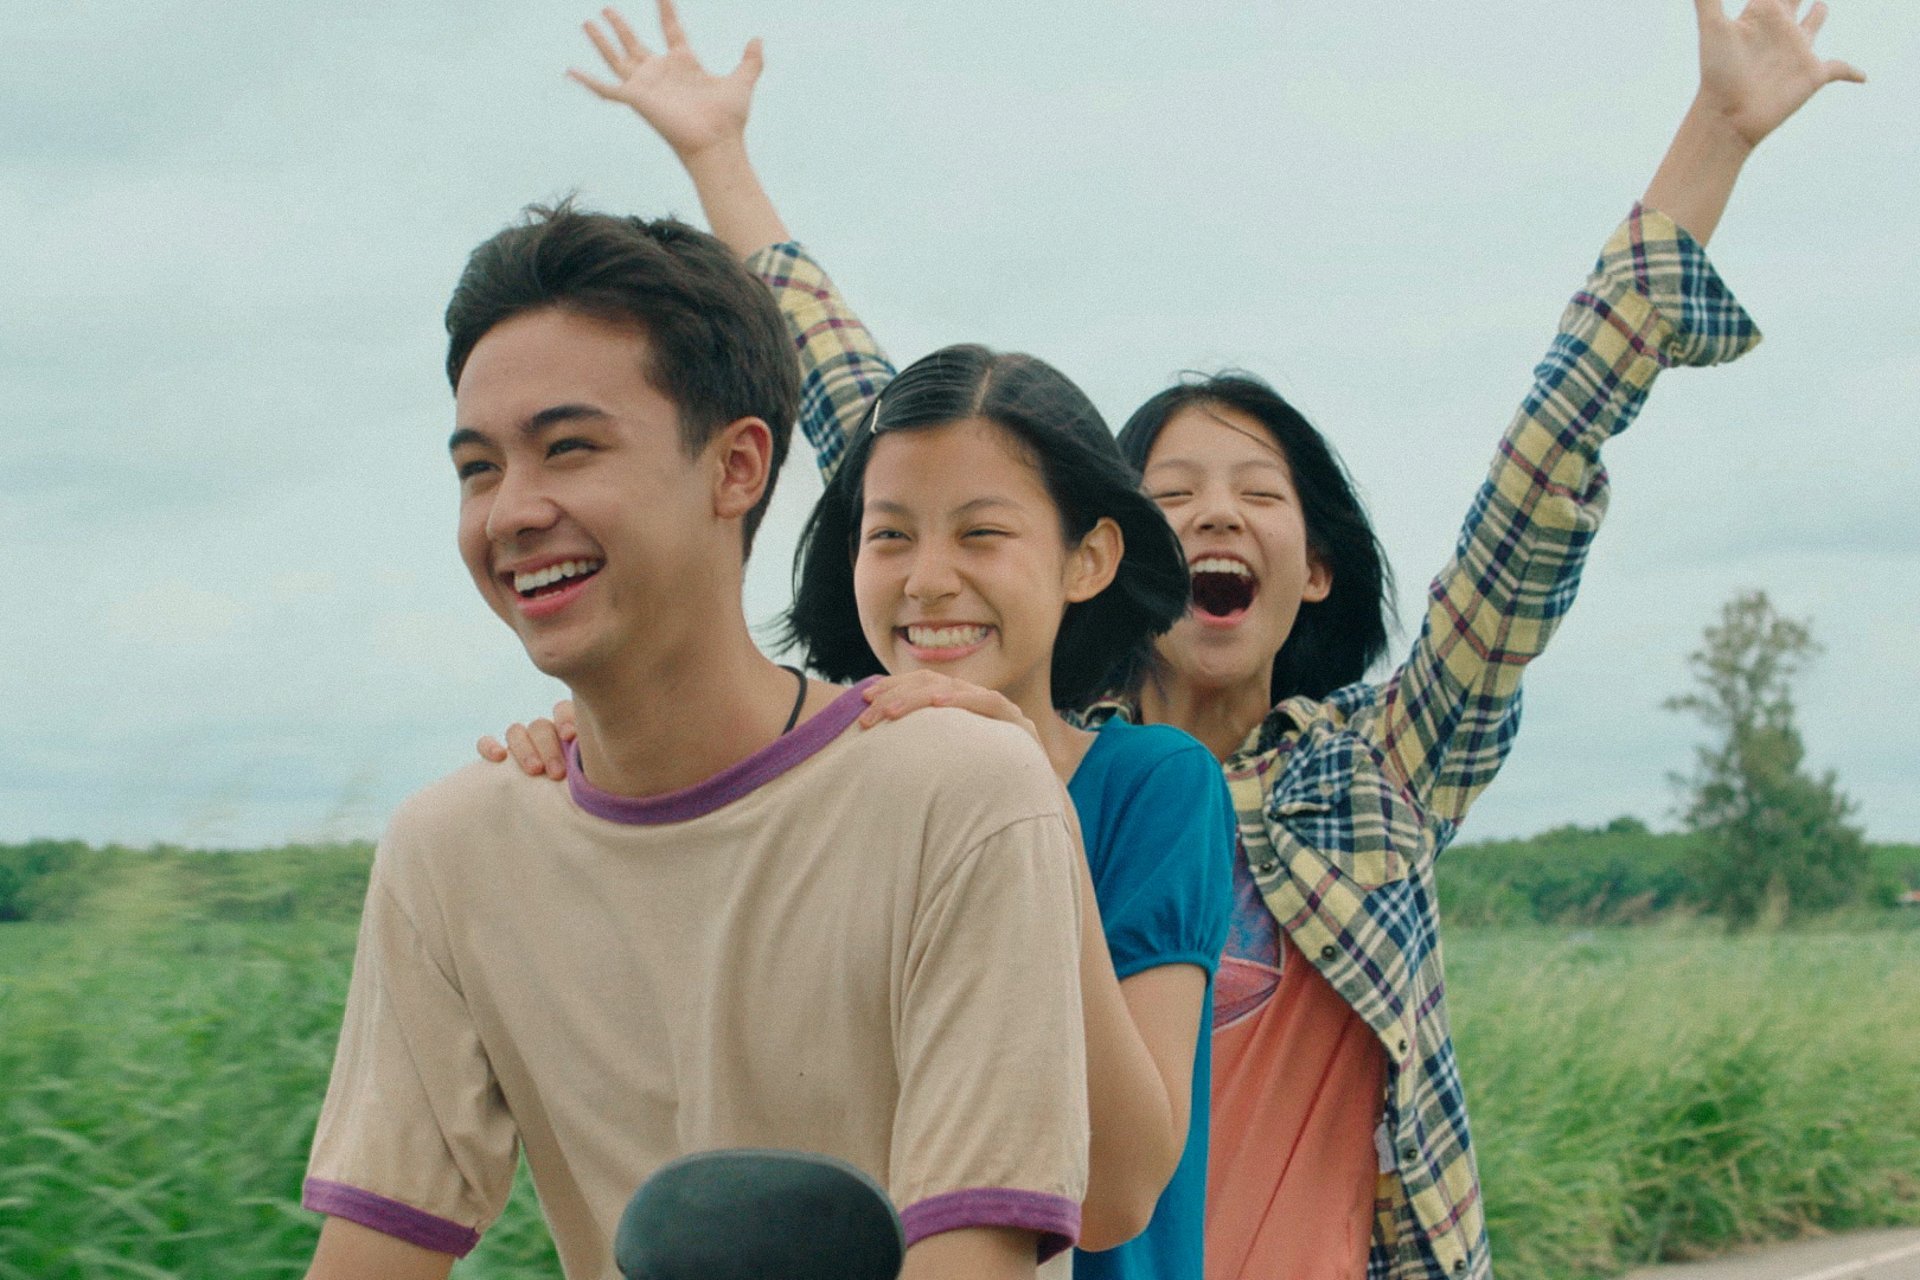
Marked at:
<point>799,698</point>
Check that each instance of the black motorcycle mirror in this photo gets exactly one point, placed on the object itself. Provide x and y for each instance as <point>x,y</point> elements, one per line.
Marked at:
<point>759,1215</point>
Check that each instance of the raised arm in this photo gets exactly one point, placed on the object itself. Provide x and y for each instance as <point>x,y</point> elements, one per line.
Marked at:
<point>1448,716</point>
<point>703,118</point>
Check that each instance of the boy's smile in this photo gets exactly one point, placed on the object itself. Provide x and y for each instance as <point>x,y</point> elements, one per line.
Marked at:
<point>545,589</point>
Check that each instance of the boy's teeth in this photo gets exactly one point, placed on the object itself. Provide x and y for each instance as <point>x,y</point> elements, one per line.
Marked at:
<point>945,637</point>
<point>525,582</point>
<point>1220,564</point>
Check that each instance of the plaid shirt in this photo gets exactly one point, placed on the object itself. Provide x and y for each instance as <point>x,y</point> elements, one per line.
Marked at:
<point>1346,802</point>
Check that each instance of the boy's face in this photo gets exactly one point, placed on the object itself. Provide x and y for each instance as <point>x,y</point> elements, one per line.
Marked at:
<point>584,523</point>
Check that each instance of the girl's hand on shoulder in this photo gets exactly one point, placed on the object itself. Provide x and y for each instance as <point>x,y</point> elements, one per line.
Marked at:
<point>1759,68</point>
<point>540,748</point>
<point>688,106</point>
<point>891,697</point>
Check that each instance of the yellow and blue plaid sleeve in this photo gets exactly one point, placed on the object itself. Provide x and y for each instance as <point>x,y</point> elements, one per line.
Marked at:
<point>1448,715</point>
<point>842,368</point>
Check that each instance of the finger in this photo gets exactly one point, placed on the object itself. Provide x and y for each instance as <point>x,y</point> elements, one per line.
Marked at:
<point>525,754</point>
<point>490,749</point>
<point>628,41</point>
<point>871,693</point>
<point>1837,70</point>
<point>670,28</point>
<point>752,62</point>
<point>881,708</point>
<point>553,752</point>
<point>611,92</point>
<point>894,704</point>
<point>1816,18</point>
<point>1709,11</point>
<point>616,62</point>
<point>563,719</point>
<point>875,713</point>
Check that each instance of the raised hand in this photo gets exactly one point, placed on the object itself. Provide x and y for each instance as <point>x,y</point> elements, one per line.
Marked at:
<point>1759,68</point>
<point>687,105</point>
<point>1755,71</point>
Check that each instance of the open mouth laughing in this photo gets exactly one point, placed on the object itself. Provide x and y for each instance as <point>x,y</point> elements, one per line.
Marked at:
<point>1223,588</point>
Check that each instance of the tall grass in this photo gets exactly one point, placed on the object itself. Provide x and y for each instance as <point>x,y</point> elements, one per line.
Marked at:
<point>1636,1093</point>
<point>1646,1094</point>
<point>161,1083</point>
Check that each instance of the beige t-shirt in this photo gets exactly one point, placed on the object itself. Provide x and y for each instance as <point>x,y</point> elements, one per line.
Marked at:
<point>859,942</point>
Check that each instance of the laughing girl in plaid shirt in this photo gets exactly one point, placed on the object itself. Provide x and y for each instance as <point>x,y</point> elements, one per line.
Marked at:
<point>1341,1145</point>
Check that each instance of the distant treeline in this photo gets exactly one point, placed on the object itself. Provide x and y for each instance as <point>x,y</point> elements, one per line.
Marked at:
<point>1621,873</point>
<point>68,880</point>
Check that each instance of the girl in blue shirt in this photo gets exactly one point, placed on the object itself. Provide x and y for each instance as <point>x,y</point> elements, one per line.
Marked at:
<point>998,541</point>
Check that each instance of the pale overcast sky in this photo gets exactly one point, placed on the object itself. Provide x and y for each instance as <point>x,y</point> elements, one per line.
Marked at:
<point>229,232</point>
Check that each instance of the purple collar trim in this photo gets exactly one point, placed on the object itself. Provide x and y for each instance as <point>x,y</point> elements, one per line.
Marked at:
<point>731,783</point>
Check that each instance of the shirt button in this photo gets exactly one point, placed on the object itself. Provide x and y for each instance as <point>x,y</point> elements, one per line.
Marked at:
<point>1266,868</point>
<point>1459,1265</point>
<point>1402,1046</point>
<point>1409,1154</point>
<point>1328,952</point>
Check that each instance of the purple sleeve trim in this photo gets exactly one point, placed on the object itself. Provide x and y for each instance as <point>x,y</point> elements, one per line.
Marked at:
<point>1056,1219</point>
<point>388,1217</point>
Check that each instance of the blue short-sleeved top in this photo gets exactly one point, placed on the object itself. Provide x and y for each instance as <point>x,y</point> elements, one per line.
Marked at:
<point>1159,830</point>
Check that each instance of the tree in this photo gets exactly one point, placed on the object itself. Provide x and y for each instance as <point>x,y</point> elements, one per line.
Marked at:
<point>1776,838</point>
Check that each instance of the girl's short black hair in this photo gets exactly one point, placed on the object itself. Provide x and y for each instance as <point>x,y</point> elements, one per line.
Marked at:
<point>1103,642</point>
<point>1334,640</point>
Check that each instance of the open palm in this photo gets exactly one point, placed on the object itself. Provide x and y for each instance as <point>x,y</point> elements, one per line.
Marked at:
<point>1759,68</point>
<point>687,105</point>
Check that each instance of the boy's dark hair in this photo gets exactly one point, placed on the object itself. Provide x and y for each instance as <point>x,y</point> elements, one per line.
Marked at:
<point>1334,640</point>
<point>717,346</point>
<point>1102,641</point>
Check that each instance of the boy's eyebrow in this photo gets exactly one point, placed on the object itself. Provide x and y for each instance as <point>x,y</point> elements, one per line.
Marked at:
<point>533,426</point>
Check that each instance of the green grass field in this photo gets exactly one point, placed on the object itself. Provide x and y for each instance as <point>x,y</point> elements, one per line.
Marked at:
<point>1636,1092</point>
<point>1654,1093</point>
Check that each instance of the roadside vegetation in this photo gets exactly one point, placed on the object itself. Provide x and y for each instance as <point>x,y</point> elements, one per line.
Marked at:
<point>167,1022</point>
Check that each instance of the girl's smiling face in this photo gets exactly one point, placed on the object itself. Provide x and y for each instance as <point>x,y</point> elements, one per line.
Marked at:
<point>1226,488</point>
<point>961,563</point>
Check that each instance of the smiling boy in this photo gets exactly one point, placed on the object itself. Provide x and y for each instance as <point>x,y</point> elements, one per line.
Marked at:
<point>742,922</point>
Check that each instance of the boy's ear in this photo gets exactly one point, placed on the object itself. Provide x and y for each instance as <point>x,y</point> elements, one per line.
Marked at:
<point>742,453</point>
<point>1092,564</point>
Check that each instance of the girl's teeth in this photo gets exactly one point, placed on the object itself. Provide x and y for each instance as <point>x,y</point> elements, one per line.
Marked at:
<point>1219,564</point>
<point>945,637</point>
